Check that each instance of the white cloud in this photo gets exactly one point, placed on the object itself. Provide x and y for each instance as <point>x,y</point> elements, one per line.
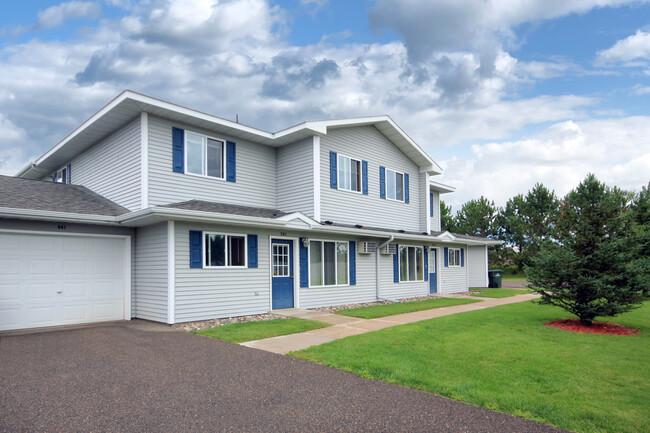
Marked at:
<point>11,151</point>
<point>55,16</point>
<point>617,151</point>
<point>628,50</point>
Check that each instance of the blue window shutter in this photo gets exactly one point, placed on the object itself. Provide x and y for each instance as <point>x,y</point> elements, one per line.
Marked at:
<point>396,265</point>
<point>446,257</point>
<point>252,251</point>
<point>304,265</point>
<point>178,140</point>
<point>196,249</point>
<point>231,161</point>
<point>382,182</point>
<point>333,170</point>
<point>406,188</point>
<point>462,257</point>
<point>69,174</point>
<point>431,204</point>
<point>353,263</point>
<point>364,177</point>
<point>426,264</point>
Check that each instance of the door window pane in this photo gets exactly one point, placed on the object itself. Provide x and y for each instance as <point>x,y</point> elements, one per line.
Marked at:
<point>280,260</point>
<point>195,154</point>
<point>316,263</point>
<point>341,263</point>
<point>237,253</point>
<point>215,158</point>
<point>330,266</point>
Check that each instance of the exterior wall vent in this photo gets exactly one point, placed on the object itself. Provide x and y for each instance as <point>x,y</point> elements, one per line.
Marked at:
<point>389,249</point>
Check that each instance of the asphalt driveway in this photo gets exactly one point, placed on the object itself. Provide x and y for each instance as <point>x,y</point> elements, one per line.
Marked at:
<point>141,377</point>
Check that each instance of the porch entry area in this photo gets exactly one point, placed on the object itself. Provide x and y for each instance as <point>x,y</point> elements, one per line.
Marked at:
<point>282,274</point>
<point>433,270</point>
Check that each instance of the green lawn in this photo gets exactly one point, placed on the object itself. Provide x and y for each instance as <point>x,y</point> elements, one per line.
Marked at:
<point>249,331</point>
<point>499,293</point>
<point>504,359</point>
<point>402,307</point>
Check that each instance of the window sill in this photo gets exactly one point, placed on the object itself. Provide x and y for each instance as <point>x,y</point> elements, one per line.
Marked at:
<point>201,176</point>
<point>411,282</point>
<point>351,190</point>
<point>224,267</point>
<point>327,287</point>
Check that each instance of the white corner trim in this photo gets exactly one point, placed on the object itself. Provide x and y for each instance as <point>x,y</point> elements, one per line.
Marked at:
<point>171,273</point>
<point>316,149</point>
<point>427,205</point>
<point>144,160</point>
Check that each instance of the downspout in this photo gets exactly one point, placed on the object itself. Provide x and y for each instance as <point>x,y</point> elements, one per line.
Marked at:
<point>392,237</point>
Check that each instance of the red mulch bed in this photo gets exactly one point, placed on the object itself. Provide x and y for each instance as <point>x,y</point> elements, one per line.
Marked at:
<point>574,325</point>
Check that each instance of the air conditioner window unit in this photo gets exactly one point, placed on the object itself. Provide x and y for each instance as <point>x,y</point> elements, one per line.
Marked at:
<point>389,249</point>
<point>368,247</point>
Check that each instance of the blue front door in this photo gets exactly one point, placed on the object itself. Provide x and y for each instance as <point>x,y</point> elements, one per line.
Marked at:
<point>282,274</point>
<point>433,269</point>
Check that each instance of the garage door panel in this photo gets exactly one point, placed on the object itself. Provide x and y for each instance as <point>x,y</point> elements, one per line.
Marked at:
<point>48,280</point>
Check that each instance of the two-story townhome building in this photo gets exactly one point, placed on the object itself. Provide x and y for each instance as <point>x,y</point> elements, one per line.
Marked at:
<point>155,211</point>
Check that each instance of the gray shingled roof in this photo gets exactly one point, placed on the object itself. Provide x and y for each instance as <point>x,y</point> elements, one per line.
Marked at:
<point>233,209</point>
<point>19,193</point>
<point>397,231</point>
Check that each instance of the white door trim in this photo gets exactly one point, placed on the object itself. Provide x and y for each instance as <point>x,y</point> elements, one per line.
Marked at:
<point>296,269</point>
<point>127,257</point>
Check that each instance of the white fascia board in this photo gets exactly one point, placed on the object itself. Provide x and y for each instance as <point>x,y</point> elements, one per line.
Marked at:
<point>42,215</point>
<point>297,216</point>
<point>441,187</point>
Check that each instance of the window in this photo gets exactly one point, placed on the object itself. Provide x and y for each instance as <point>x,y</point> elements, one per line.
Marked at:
<point>328,263</point>
<point>454,257</point>
<point>411,263</point>
<point>394,185</point>
<point>281,264</point>
<point>204,156</point>
<point>61,176</point>
<point>349,174</point>
<point>225,250</point>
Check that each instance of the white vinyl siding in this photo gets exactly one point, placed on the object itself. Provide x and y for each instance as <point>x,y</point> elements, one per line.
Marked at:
<point>477,266</point>
<point>452,280</point>
<point>435,220</point>
<point>366,142</point>
<point>111,168</point>
<point>295,179</point>
<point>256,172</point>
<point>150,258</point>
<point>207,293</point>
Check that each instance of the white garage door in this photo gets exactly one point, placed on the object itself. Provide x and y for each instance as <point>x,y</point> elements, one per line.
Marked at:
<point>49,280</point>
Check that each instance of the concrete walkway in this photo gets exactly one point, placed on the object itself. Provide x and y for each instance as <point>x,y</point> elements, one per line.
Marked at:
<point>344,326</point>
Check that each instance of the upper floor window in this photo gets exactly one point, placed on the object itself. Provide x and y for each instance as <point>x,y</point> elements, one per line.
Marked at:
<point>225,250</point>
<point>454,257</point>
<point>349,174</point>
<point>63,175</point>
<point>411,263</point>
<point>394,185</point>
<point>204,155</point>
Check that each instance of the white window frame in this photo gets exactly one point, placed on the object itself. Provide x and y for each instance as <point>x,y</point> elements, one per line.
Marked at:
<point>399,263</point>
<point>451,252</point>
<point>61,175</point>
<point>394,173</point>
<point>226,250</point>
<point>338,178</point>
<point>205,155</point>
<point>336,263</point>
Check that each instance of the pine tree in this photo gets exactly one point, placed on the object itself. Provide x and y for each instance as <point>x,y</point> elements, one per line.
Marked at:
<point>588,266</point>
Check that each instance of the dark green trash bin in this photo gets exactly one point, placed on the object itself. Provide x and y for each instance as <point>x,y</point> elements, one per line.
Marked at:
<point>494,277</point>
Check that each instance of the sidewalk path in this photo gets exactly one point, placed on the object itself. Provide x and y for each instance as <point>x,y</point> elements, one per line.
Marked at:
<point>344,326</point>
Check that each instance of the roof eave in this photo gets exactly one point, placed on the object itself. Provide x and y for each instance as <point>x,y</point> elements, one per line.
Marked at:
<point>42,215</point>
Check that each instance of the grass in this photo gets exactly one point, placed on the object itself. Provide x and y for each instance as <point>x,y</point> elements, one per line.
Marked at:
<point>505,359</point>
<point>499,293</point>
<point>402,307</point>
<point>514,277</point>
<point>249,331</point>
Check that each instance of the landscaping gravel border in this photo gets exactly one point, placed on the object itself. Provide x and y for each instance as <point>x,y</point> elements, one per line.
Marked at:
<point>204,324</point>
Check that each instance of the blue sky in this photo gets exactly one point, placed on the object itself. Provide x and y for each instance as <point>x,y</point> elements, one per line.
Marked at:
<point>503,94</point>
